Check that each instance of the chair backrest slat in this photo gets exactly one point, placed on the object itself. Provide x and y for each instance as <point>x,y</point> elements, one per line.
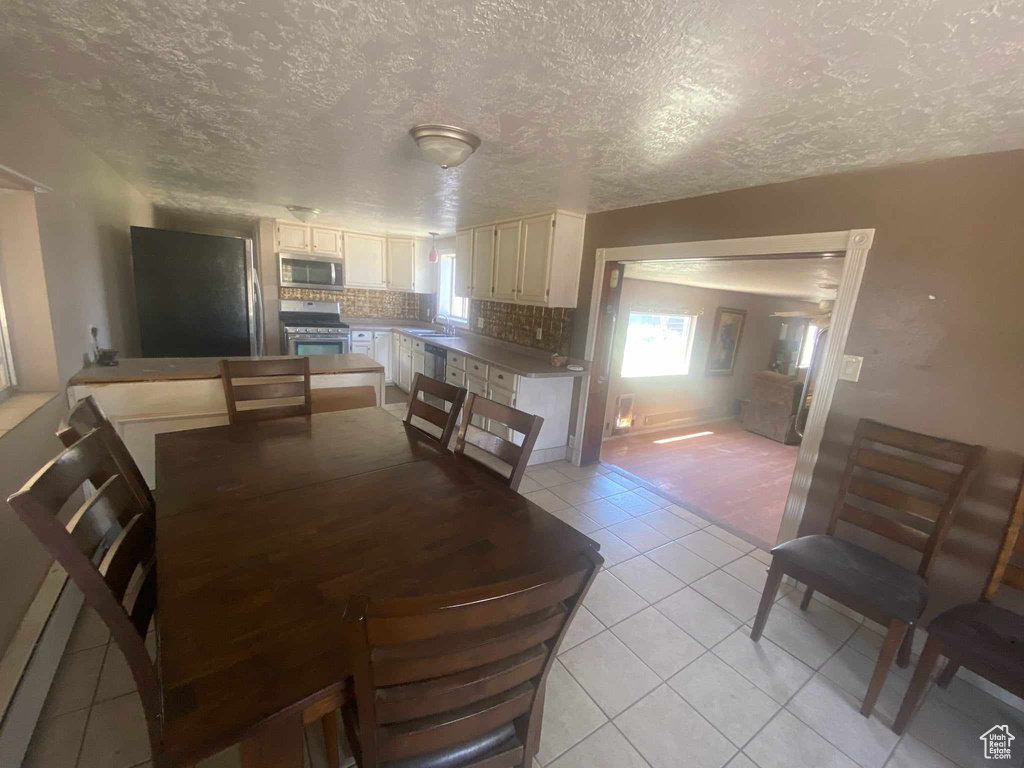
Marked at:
<point>112,503</point>
<point>84,418</point>
<point>408,702</point>
<point>904,486</point>
<point>507,451</point>
<point>445,420</point>
<point>111,515</point>
<point>132,547</point>
<point>1004,571</point>
<point>259,382</point>
<point>416,737</point>
<point>439,671</point>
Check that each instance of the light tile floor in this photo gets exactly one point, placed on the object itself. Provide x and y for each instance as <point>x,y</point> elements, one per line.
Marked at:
<point>656,671</point>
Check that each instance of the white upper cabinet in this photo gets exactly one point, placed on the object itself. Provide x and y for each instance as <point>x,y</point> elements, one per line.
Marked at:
<point>506,261</point>
<point>401,264</point>
<point>464,262</point>
<point>364,261</point>
<point>535,258</point>
<point>326,241</point>
<point>483,262</point>
<point>292,237</point>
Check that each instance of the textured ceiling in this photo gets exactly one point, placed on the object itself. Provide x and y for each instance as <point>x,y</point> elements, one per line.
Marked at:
<point>795,278</point>
<point>244,106</point>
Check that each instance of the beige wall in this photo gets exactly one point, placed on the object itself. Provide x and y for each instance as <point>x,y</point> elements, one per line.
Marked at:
<point>84,249</point>
<point>951,366</point>
<point>709,396</point>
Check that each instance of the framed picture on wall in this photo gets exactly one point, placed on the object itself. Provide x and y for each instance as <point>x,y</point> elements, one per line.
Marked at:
<point>725,341</point>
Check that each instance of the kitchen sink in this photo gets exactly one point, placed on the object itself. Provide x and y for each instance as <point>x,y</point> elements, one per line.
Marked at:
<point>433,335</point>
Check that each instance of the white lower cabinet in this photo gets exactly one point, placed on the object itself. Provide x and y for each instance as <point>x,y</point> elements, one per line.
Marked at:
<point>405,369</point>
<point>395,349</point>
<point>477,386</point>
<point>505,397</point>
<point>382,353</point>
<point>418,363</point>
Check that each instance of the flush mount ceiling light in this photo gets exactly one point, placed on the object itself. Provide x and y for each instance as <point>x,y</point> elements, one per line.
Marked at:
<point>302,213</point>
<point>445,145</point>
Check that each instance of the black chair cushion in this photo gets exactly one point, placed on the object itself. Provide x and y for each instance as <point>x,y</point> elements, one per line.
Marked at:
<point>986,633</point>
<point>499,740</point>
<point>847,569</point>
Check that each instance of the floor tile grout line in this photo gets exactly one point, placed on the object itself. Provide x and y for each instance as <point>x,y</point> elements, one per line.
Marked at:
<point>92,703</point>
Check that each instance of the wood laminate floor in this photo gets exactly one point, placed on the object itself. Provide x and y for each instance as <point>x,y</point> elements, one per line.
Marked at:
<point>733,477</point>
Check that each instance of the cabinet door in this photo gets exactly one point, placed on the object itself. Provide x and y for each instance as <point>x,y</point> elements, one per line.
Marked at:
<point>418,363</point>
<point>292,237</point>
<point>382,352</point>
<point>505,397</point>
<point>405,369</point>
<point>362,348</point>
<point>535,259</point>
<point>506,261</point>
<point>326,241</point>
<point>364,261</point>
<point>395,349</point>
<point>464,263</point>
<point>401,264</point>
<point>483,262</point>
<point>477,386</point>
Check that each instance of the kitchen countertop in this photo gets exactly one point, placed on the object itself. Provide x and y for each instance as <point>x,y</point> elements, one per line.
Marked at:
<point>530,363</point>
<point>133,369</point>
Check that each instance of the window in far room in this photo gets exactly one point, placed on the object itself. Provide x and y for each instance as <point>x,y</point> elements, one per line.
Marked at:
<point>658,344</point>
<point>807,346</point>
<point>455,307</point>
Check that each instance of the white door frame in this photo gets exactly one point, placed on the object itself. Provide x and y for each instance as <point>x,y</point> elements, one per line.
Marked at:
<point>856,243</point>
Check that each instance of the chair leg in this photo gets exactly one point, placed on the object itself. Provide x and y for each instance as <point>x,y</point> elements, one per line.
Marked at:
<point>808,594</point>
<point>891,644</point>
<point>532,741</point>
<point>906,647</point>
<point>329,723</point>
<point>771,589</point>
<point>948,673</point>
<point>918,683</point>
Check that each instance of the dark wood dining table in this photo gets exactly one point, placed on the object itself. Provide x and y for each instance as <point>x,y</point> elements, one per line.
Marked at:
<point>264,532</point>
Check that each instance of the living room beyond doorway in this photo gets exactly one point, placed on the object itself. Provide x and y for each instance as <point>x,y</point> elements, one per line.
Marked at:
<point>712,374</point>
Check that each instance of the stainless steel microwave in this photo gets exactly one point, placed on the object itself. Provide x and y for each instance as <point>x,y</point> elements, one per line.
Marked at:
<point>302,271</point>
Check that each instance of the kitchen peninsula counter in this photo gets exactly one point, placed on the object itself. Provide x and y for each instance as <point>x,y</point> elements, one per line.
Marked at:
<point>144,397</point>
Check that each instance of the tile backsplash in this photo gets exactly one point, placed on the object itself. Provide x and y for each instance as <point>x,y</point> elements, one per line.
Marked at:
<point>518,323</point>
<point>362,302</point>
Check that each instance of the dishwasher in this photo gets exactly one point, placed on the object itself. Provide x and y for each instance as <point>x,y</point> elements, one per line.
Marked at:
<point>434,363</point>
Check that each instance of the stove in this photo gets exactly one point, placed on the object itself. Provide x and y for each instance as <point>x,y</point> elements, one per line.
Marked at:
<point>313,328</point>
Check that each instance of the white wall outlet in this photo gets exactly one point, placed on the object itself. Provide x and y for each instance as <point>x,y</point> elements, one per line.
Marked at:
<point>540,334</point>
<point>850,368</point>
<point>572,441</point>
<point>479,322</point>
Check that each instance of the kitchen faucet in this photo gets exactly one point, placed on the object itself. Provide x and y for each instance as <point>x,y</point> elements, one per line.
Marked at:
<point>447,325</point>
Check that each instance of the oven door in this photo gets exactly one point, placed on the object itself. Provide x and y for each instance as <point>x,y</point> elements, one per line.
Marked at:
<point>304,346</point>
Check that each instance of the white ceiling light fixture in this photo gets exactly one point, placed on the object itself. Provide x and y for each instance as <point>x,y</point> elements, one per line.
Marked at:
<point>302,213</point>
<point>445,145</point>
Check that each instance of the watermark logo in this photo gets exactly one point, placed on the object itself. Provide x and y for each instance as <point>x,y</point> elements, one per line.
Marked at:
<point>997,741</point>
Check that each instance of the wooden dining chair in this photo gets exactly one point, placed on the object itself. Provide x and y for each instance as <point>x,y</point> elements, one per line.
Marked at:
<point>987,639</point>
<point>445,421</point>
<point>87,416</point>
<point>902,486</point>
<point>108,549</point>
<point>263,382</point>
<point>458,679</point>
<point>122,588</point>
<point>506,451</point>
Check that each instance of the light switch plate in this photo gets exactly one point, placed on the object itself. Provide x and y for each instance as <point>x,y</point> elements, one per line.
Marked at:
<point>850,369</point>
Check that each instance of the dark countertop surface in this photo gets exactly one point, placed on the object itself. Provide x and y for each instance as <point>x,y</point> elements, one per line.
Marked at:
<point>181,368</point>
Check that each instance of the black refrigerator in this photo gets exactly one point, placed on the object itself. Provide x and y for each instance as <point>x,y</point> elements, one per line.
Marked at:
<point>196,295</point>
